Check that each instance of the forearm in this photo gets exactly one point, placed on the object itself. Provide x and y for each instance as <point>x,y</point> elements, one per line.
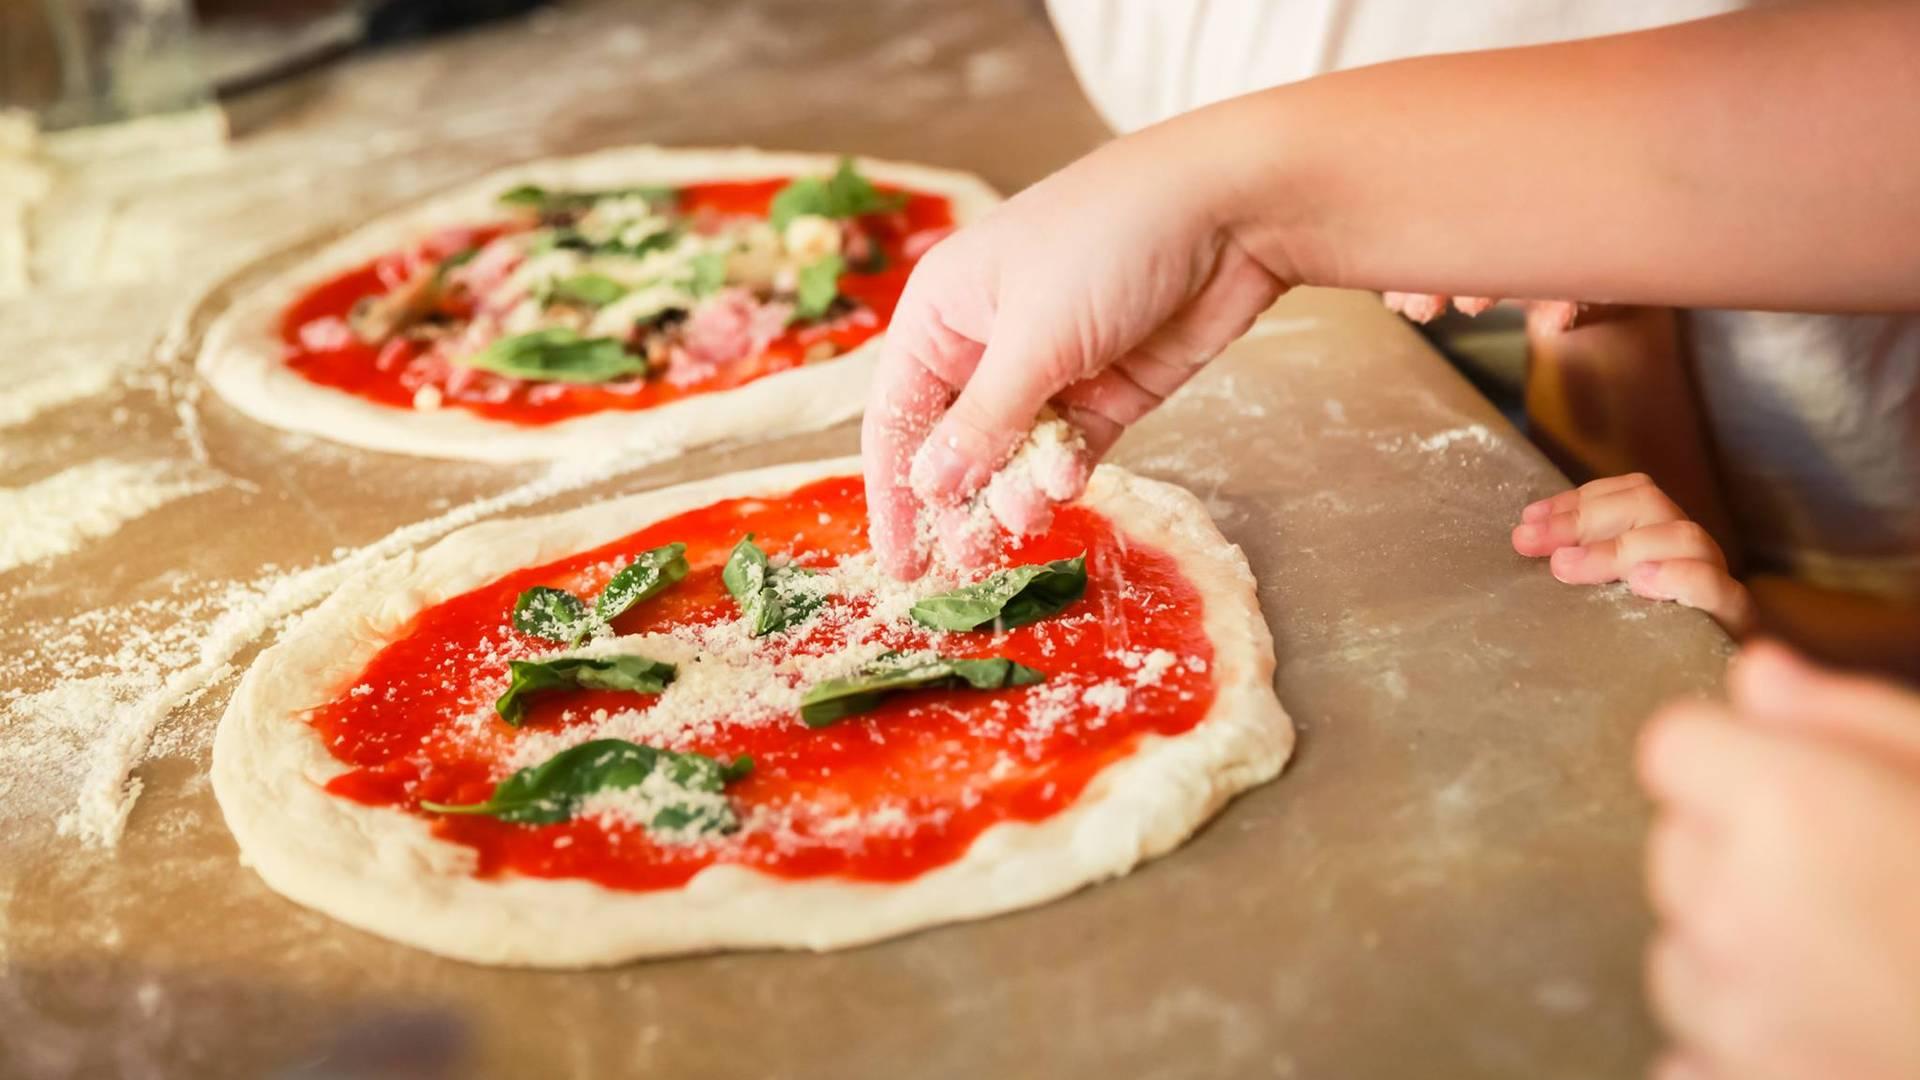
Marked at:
<point>1768,159</point>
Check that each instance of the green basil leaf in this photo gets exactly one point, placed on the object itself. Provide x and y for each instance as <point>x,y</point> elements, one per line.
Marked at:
<point>530,677</point>
<point>593,290</point>
<point>553,790</point>
<point>845,194</point>
<point>572,239</point>
<point>709,273</point>
<point>836,699</point>
<point>760,589</point>
<point>818,286</point>
<point>552,615</point>
<point>1007,598</point>
<point>453,262</point>
<point>646,576</point>
<point>557,354</point>
<point>544,202</point>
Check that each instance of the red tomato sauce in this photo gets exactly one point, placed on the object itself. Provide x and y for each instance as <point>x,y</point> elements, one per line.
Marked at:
<point>959,761</point>
<point>361,369</point>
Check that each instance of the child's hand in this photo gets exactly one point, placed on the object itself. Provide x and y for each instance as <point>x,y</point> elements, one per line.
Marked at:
<point>1786,876</point>
<point>1098,291</point>
<point>1623,528</point>
<point>1543,316</point>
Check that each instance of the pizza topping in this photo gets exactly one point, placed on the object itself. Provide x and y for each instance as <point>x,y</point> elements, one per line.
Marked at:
<point>722,329</point>
<point>677,796</point>
<point>1007,598</point>
<point>772,598</point>
<point>326,333</point>
<point>528,677</point>
<point>894,673</point>
<point>619,299</point>
<point>552,615</point>
<point>811,238</point>
<point>899,787</point>
<point>646,576</point>
<point>558,204</point>
<point>587,289</point>
<point>557,615</point>
<point>845,194</point>
<point>586,295</point>
<point>557,354</point>
<point>818,287</point>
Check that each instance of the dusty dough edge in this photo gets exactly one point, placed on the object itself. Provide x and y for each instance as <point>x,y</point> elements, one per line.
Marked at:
<point>381,870</point>
<point>241,354</point>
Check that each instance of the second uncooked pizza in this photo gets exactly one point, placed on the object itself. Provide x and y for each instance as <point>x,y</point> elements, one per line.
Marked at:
<point>643,300</point>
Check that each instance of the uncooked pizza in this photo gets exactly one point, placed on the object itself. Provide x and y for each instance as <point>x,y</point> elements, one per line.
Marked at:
<point>640,301</point>
<point>702,718</point>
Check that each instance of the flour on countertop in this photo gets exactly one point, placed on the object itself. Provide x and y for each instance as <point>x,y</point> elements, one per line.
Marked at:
<point>56,515</point>
<point>93,667</point>
<point>161,670</point>
<point>30,397</point>
<point>1439,442</point>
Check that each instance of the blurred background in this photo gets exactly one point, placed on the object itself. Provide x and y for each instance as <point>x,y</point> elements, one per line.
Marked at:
<point>72,63</point>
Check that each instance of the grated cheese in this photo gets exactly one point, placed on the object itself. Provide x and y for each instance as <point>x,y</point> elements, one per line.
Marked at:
<point>640,804</point>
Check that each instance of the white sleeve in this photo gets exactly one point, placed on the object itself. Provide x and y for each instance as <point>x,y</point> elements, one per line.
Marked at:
<point>1142,61</point>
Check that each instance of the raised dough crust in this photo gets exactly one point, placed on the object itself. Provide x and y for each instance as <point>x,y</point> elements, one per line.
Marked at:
<point>381,870</point>
<point>241,357</point>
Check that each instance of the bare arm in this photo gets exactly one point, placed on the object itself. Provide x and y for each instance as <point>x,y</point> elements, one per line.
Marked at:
<point>1765,159</point>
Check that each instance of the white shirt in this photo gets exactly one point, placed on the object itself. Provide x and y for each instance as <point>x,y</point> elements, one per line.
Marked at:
<point>1816,418</point>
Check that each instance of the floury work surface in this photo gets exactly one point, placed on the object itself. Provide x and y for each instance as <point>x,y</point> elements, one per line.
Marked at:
<point>1443,883</point>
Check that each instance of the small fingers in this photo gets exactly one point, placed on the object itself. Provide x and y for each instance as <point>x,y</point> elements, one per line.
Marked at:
<point>1420,307</point>
<point>1552,316</point>
<point>1567,500</point>
<point>1613,560</point>
<point>1699,583</point>
<point>1426,307</point>
<point>1596,517</point>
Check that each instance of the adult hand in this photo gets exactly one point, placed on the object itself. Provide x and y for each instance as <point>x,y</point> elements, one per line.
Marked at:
<point>1098,291</point>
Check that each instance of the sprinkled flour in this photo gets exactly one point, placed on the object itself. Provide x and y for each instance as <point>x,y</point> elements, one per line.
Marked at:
<point>188,646</point>
<point>1440,441</point>
<point>56,515</point>
<point>29,398</point>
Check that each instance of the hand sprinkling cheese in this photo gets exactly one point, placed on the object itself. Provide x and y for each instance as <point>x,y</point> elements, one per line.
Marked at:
<point>1049,466</point>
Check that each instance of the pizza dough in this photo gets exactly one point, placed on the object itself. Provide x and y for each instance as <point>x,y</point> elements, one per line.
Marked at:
<point>380,869</point>
<point>241,357</point>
